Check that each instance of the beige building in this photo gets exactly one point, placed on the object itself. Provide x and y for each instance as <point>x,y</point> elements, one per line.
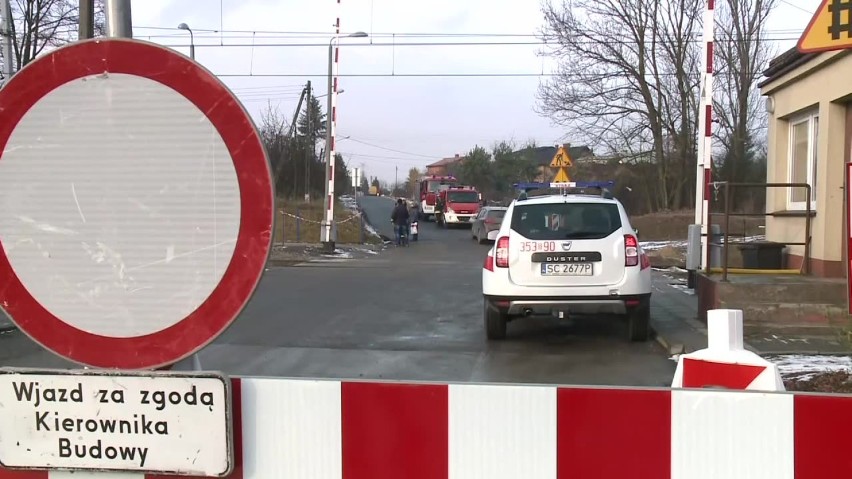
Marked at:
<point>808,99</point>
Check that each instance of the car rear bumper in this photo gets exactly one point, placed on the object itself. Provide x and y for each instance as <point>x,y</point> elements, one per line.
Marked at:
<point>570,305</point>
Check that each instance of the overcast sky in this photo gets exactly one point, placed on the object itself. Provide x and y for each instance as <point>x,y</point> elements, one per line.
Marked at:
<point>391,120</point>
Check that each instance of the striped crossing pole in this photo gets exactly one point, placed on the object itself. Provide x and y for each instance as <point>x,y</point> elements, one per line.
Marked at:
<point>331,122</point>
<point>705,144</point>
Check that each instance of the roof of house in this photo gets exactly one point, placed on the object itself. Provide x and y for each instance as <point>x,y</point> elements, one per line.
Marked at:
<point>446,161</point>
<point>543,155</point>
<point>785,62</point>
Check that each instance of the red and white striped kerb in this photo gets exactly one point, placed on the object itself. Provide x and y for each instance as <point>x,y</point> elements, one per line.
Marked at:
<point>364,430</point>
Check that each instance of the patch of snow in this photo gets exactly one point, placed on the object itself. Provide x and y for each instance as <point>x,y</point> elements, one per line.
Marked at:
<point>805,366</point>
<point>370,230</point>
<point>683,289</point>
<point>740,239</point>
<point>349,202</point>
<point>339,253</point>
<point>657,245</point>
<point>673,269</point>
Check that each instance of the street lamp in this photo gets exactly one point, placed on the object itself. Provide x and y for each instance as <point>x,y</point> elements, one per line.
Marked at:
<point>328,221</point>
<point>184,26</point>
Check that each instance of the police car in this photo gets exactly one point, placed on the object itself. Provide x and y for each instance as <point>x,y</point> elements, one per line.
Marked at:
<point>565,249</point>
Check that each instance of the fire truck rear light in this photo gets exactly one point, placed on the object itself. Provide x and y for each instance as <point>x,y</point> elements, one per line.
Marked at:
<point>501,252</point>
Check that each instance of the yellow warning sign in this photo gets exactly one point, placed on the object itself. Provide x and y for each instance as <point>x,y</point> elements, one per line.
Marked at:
<point>562,176</point>
<point>561,159</point>
<point>829,29</point>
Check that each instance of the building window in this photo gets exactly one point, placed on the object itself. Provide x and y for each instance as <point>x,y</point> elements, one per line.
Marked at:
<point>804,132</point>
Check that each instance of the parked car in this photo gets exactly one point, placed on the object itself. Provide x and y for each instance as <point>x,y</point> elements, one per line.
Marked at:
<point>562,255</point>
<point>488,220</point>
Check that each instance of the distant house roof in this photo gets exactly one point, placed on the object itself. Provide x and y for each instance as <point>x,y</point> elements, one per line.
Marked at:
<point>446,161</point>
<point>785,62</point>
<point>543,155</point>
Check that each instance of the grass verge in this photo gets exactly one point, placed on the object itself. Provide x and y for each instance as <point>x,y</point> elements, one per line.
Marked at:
<point>673,225</point>
<point>307,230</point>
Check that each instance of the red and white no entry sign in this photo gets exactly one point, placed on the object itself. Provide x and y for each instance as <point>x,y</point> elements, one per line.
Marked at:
<point>136,204</point>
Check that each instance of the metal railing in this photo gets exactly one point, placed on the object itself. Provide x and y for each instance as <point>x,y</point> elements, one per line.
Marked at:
<point>728,186</point>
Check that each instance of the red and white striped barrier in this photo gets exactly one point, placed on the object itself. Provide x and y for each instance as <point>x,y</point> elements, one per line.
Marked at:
<point>725,362</point>
<point>360,430</point>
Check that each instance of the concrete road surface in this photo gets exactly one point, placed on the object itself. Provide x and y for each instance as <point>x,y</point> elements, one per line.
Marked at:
<point>410,313</point>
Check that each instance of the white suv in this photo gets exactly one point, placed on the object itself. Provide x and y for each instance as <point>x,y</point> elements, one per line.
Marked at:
<point>566,253</point>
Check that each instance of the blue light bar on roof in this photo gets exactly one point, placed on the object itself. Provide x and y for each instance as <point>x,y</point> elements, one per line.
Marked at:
<point>569,184</point>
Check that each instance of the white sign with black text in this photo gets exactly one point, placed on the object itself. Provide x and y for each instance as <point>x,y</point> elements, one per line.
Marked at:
<point>171,423</point>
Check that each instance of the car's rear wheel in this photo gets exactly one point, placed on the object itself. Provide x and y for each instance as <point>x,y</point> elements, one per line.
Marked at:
<point>495,322</point>
<point>639,323</point>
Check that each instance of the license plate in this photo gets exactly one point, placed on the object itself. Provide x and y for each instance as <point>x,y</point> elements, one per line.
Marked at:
<point>570,269</point>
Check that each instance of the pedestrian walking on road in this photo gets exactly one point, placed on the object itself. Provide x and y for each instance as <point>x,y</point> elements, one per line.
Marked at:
<point>400,217</point>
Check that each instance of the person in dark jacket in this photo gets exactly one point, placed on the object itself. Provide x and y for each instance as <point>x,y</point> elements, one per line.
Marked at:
<point>400,217</point>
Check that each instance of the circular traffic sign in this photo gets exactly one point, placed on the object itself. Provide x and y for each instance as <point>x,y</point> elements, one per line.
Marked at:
<point>136,204</point>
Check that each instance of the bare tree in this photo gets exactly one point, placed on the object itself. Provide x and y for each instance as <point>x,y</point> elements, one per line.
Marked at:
<point>40,24</point>
<point>275,133</point>
<point>743,52</point>
<point>627,77</point>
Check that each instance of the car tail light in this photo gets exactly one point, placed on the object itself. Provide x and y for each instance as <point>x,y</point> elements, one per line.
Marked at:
<point>631,250</point>
<point>644,261</point>
<point>501,252</point>
<point>489,263</point>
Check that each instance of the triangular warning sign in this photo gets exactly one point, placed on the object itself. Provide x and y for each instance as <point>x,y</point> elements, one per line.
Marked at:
<point>561,159</point>
<point>829,29</point>
<point>562,176</point>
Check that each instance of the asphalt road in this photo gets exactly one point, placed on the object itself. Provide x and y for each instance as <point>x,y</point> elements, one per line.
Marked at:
<point>410,313</point>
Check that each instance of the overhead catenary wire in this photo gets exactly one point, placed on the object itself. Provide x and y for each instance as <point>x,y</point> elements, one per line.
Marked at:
<point>795,6</point>
<point>450,44</point>
<point>388,149</point>
<point>585,76</point>
<point>324,34</point>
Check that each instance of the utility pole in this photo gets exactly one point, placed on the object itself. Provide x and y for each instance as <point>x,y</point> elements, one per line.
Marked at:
<point>395,179</point>
<point>6,32</point>
<point>119,19</point>
<point>309,152</point>
<point>291,137</point>
<point>87,20</point>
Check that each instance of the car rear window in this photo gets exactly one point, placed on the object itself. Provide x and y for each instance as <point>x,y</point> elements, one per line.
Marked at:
<point>566,220</point>
<point>463,197</point>
<point>497,214</point>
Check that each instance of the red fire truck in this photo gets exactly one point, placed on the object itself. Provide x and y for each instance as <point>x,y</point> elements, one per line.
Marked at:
<point>430,186</point>
<point>460,204</point>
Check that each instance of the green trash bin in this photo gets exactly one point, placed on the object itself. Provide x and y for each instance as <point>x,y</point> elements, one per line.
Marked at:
<point>762,255</point>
